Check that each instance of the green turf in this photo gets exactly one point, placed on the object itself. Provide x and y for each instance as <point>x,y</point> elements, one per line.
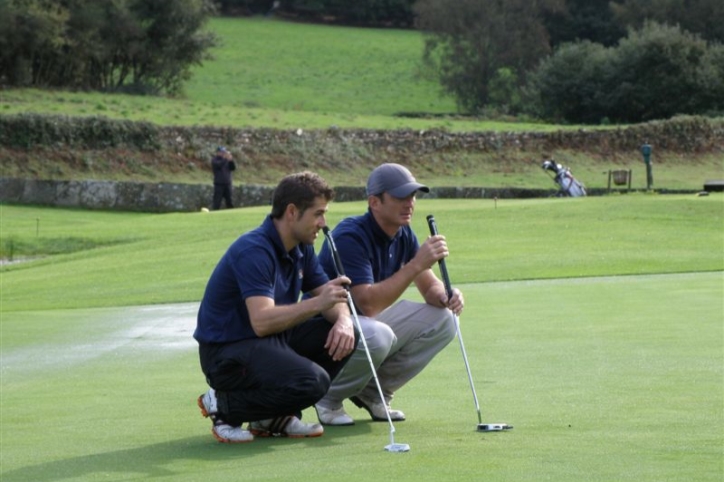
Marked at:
<point>604,377</point>
<point>286,75</point>
<point>157,258</point>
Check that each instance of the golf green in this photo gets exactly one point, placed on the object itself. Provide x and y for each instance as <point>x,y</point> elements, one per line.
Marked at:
<point>604,378</point>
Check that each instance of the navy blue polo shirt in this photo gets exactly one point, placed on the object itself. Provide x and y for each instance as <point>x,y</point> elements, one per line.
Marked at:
<point>368,254</point>
<point>256,264</point>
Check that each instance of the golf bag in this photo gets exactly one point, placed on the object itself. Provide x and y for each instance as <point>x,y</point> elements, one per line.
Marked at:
<point>570,187</point>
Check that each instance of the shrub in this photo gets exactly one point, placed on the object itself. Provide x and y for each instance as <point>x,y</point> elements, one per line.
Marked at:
<point>95,132</point>
<point>654,73</point>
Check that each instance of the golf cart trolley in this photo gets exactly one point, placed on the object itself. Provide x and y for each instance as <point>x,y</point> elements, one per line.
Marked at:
<point>562,176</point>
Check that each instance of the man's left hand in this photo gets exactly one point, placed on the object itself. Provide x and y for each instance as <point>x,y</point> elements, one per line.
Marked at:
<point>456,303</point>
<point>340,341</point>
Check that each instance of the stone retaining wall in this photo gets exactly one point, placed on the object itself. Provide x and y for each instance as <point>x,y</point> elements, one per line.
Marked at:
<point>166,197</point>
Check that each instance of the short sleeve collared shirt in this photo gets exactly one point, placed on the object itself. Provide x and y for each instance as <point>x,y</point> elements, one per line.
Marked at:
<point>256,264</point>
<point>367,253</point>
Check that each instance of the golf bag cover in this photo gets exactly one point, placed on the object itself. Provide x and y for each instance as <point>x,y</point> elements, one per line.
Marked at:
<point>569,185</point>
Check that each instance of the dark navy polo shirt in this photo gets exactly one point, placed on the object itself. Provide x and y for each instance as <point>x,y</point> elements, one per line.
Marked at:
<point>368,254</point>
<point>256,264</point>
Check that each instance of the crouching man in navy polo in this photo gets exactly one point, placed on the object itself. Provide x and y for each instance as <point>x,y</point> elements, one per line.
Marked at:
<point>267,355</point>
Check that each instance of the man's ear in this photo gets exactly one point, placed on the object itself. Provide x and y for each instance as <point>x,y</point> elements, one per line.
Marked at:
<point>291,212</point>
<point>374,202</point>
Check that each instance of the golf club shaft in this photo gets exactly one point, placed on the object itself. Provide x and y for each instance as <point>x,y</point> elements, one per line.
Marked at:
<point>340,272</point>
<point>448,288</point>
<point>467,368</point>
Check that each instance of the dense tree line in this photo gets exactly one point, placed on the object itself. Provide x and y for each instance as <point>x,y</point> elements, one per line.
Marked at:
<point>584,61</point>
<point>130,45</point>
<point>564,60</point>
<point>600,21</point>
<point>473,45</point>
<point>397,13</point>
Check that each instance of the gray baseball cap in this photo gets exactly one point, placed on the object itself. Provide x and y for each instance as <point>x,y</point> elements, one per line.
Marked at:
<point>394,179</point>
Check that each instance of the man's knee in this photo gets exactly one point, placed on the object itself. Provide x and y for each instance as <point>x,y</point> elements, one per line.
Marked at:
<point>315,388</point>
<point>380,339</point>
<point>447,327</point>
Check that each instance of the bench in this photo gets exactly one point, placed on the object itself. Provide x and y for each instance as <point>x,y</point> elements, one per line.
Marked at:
<point>714,185</point>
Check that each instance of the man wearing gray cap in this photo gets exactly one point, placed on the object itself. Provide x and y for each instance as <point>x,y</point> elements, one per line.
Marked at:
<point>382,257</point>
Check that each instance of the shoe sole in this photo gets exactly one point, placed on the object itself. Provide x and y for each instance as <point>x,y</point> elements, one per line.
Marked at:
<point>200,403</point>
<point>264,434</point>
<point>228,441</point>
<point>364,406</point>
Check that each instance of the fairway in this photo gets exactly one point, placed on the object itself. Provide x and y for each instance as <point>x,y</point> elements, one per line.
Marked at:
<point>594,326</point>
<point>611,378</point>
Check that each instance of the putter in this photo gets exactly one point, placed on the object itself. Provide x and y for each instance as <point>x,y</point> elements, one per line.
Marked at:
<point>481,427</point>
<point>392,447</point>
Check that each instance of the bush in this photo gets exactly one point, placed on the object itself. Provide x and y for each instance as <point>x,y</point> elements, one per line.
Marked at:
<point>29,130</point>
<point>569,84</point>
<point>654,73</point>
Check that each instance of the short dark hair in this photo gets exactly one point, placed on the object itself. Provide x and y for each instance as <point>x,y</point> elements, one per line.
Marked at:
<point>300,189</point>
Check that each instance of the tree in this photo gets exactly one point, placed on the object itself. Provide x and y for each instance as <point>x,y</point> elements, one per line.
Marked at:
<point>30,35</point>
<point>656,72</point>
<point>703,17</point>
<point>467,42</point>
<point>712,73</point>
<point>569,85</point>
<point>172,42</point>
<point>584,20</point>
<point>103,44</point>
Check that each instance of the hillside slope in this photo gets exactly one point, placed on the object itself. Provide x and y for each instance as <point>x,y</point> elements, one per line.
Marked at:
<point>686,152</point>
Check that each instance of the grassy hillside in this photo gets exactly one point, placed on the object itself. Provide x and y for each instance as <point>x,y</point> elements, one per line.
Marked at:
<point>297,67</point>
<point>276,74</point>
<point>269,73</point>
<point>288,76</point>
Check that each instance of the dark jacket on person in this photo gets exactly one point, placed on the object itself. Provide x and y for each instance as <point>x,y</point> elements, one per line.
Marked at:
<point>222,168</point>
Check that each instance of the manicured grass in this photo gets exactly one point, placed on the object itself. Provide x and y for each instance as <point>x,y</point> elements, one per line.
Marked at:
<point>301,67</point>
<point>158,258</point>
<point>269,73</point>
<point>604,377</point>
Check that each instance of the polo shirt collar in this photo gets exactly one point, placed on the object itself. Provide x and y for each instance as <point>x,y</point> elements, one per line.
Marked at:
<point>377,231</point>
<point>271,232</point>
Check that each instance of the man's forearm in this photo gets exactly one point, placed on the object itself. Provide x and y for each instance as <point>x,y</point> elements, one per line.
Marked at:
<point>377,297</point>
<point>275,319</point>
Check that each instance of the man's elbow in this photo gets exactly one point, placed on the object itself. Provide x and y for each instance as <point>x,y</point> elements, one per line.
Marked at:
<point>260,329</point>
<point>369,309</point>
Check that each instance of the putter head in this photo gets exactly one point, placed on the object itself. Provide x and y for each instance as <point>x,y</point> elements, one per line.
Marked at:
<point>397,448</point>
<point>493,427</point>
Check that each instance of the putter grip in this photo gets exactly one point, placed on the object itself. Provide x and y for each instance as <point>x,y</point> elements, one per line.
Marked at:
<point>443,267</point>
<point>335,254</point>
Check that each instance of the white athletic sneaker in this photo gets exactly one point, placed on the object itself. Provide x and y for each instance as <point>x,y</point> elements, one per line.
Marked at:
<point>222,431</point>
<point>285,427</point>
<point>334,417</point>
<point>225,433</point>
<point>377,410</point>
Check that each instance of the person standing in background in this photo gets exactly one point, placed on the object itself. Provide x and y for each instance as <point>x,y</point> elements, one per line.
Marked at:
<point>222,165</point>
<point>646,152</point>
